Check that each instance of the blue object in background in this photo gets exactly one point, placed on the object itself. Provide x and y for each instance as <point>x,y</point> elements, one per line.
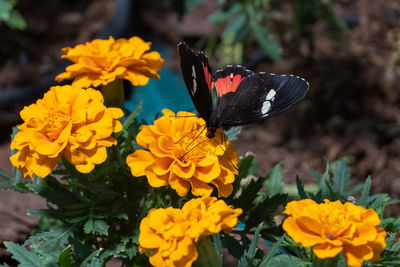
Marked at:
<point>169,92</point>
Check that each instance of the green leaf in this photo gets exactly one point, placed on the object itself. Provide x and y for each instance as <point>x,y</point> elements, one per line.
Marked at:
<point>286,260</point>
<point>223,15</point>
<point>5,9</point>
<point>341,178</point>
<point>100,227</point>
<point>51,240</point>
<point>65,258</point>
<point>362,201</point>
<point>250,253</point>
<point>273,182</point>
<point>131,118</point>
<point>300,188</point>
<point>25,257</point>
<point>90,257</point>
<point>266,260</point>
<point>234,26</point>
<point>234,246</point>
<point>95,262</point>
<point>247,166</point>
<point>16,21</point>
<point>265,210</point>
<point>15,172</point>
<point>218,247</point>
<point>266,40</point>
<point>249,194</point>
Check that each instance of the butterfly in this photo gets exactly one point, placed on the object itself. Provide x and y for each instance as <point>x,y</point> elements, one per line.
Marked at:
<point>235,95</point>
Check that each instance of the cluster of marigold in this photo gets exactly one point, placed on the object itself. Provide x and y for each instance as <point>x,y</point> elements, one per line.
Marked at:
<point>71,121</point>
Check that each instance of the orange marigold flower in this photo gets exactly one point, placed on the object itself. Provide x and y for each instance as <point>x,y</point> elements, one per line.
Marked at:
<point>169,235</point>
<point>180,155</point>
<point>67,121</point>
<point>102,61</point>
<point>332,227</point>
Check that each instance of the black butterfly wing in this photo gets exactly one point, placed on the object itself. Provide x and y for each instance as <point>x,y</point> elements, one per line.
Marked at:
<point>258,97</point>
<point>197,75</point>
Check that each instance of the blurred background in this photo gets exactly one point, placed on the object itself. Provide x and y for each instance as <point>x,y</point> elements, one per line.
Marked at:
<point>349,51</point>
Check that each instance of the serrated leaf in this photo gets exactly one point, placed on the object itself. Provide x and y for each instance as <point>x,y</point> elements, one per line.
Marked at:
<point>100,227</point>
<point>341,178</point>
<point>234,247</point>
<point>82,251</point>
<point>90,257</point>
<point>51,240</point>
<point>25,257</point>
<point>287,260</point>
<point>250,253</point>
<point>247,166</point>
<point>216,240</point>
<point>271,252</point>
<point>266,41</point>
<point>95,262</point>
<point>362,201</point>
<point>316,175</point>
<point>246,198</point>
<point>273,184</point>
<point>265,210</point>
<point>300,188</point>
<point>65,258</point>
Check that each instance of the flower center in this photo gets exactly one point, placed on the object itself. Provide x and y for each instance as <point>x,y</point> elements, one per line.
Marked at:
<point>194,149</point>
<point>55,123</point>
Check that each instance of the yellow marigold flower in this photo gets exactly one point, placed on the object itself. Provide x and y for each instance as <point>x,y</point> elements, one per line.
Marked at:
<point>332,227</point>
<point>180,155</point>
<point>102,61</point>
<point>169,235</point>
<point>68,121</point>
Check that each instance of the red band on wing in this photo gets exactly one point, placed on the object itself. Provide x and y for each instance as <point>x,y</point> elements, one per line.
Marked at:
<point>228,84</point>
<point>208,77</point>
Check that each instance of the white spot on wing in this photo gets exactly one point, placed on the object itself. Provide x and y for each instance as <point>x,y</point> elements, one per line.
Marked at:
<point>193,72</point>
<point>270,94</point>
<point>194,89</point>
<point>265,107</point>
<point>194,86</point>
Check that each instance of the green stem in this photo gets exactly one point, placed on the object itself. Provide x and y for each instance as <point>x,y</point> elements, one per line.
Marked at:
<point>113,94</point>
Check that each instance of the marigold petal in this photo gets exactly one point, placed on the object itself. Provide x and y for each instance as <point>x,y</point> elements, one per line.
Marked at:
<point>355,256</point>
<point>179,185</point>
<point>326,250</point>
<point>139,161</point>
<point>155,180</point>
<point>184,172</point>
<point>209,173</point>
<point>200,188</point>
<point>162,166</point>
<point>136,78</point>
<point>224,190</point>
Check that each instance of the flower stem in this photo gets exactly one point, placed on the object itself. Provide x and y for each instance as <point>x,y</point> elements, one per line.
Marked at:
<point>328,262</point>
<point>113,94</point>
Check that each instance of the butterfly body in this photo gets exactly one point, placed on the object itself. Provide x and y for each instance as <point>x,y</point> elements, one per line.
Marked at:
<point>235,95</point>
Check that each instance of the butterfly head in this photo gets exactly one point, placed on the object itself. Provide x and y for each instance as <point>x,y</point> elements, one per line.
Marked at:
<point>211,132</point>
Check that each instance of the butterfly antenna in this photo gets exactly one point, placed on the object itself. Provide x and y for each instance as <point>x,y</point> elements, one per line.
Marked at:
<point>227,156</point>
<point>193,148</point>
<point>194,139</point>
<point>187,116</point>
<point>190,133</point>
